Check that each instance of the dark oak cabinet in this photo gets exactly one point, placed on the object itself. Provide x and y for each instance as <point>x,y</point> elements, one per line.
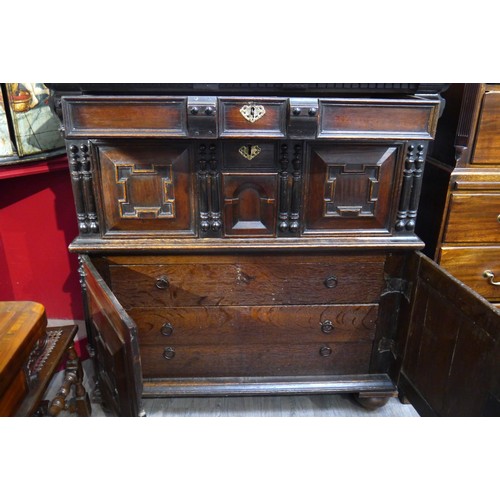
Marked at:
<point>262,242</point>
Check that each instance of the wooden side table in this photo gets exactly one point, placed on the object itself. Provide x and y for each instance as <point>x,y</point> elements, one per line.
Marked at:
<point>29,356</point>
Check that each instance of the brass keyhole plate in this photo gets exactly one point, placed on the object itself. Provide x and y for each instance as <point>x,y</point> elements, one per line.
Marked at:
<point>252,112</point>
<point>249,152</point>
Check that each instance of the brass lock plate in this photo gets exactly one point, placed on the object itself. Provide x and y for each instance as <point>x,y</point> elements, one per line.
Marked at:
<point>252,112</point>
<point>249,152</point>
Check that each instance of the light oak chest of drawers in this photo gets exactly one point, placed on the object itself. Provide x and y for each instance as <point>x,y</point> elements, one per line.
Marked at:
<point>251,242</point>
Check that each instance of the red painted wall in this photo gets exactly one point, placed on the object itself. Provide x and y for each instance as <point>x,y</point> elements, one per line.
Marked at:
<point>37,223</point>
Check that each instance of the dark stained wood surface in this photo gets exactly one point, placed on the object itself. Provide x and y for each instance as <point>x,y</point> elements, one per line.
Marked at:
<point>236,386</point>
<point>228,262</point>
<point>405,119</point>
<point>250,203</point>
<point>114,338</point>
<point>124,117</point>
<point>146,187</point>
<point>257,281</point>
<point>55,358</point>
<point>452,356</point>
<point>249,325</point>
<point>233,124</point>
<point>351,188</point>
<point>256,360</point>
<point>232,158</point>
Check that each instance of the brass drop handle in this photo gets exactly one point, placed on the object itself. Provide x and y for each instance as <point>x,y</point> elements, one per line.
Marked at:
<point>327,326</point>
<point>490,276</point>
<point>325,351</point>
<point>498,218</point>
<point>169,353</point>
<point>167,329</point>
<point>162,282</point>
<point>331,282</point>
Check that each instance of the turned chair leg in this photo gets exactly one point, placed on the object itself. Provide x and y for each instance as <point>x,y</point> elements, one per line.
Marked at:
<point>73,377</point>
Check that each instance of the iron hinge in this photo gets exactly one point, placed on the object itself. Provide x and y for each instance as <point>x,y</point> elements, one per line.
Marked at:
<point>387,345</point>
<point>397,285</point>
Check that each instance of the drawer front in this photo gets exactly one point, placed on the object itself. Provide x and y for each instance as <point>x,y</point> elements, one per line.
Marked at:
<point>351,188</point>
<point>326,358</point>
<point>145,188</point>
<point>254,325</point>
<point>487,147</point>
<point>356,118</point>
<point>124,117</point>
<point>249,155</point>
<point>469,265</point>
<point>262,117</point>
<point>257,281</point>
<point>474,218</point>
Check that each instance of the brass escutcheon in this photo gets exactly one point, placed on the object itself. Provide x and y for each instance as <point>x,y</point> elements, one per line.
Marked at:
<point>252,112</point>
<point>249,152</point>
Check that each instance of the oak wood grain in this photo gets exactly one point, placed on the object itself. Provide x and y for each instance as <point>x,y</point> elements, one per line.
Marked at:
<point>473,218</point>
<point>487,146</point>
<point>256,360</point>
<point>250,325</point>
<point>249,283</point>
<point>22,323</point>
<point>468,265</point>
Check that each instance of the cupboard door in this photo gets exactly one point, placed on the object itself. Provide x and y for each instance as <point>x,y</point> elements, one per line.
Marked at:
<point>351,188</point>
<point>146,188</point>
<point>250,203</point>
<point>114,338</point>
<point>452,357</point>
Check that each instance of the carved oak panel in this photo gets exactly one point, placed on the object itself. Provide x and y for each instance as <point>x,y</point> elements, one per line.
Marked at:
<point>250,203</point>
<point>146,187</point>
<point>351,188</point>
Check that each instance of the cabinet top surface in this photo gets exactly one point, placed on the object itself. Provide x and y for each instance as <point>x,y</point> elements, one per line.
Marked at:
<point>299,89</point>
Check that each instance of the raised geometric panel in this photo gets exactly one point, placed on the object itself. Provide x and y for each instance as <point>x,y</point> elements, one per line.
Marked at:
<point>138,183</point>
<point>146,187</point>
<point>351,188</point>
<point>348,183</point>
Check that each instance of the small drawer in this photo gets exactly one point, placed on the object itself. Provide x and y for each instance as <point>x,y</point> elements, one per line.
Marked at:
<point>88,116</point>
<point>249,155</point>
<point>474,218</point>
<point>381,118</point>
<point>264,117</point>
<point>251,281</point>
<point>470,265</point>
<point>255,325</point>
<point>322,358</point>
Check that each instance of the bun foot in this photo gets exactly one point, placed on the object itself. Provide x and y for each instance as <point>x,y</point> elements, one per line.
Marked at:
<point>370,402</point>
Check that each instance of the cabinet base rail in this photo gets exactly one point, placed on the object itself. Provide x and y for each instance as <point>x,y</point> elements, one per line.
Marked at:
<point>379,385</point>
